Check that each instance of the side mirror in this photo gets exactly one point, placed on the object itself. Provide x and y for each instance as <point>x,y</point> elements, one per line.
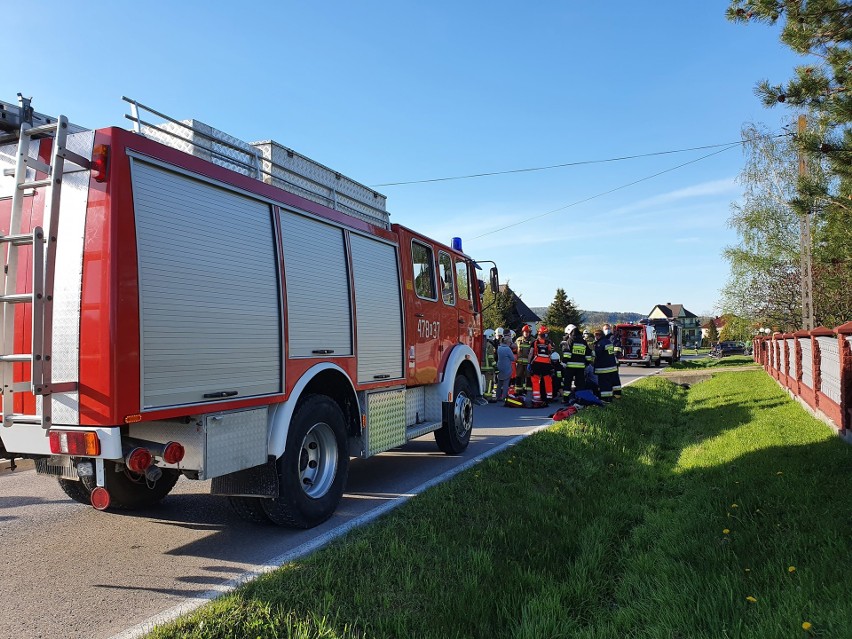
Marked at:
<point>495,280</point>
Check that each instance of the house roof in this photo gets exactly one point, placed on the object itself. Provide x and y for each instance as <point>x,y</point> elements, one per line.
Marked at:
<point>673,310</point>
<point>521,313</point>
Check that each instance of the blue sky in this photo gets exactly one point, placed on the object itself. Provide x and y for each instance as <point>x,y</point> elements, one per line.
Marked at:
<point>401,91</point>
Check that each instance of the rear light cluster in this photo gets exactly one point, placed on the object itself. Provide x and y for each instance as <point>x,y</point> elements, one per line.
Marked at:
<point>75,442</point>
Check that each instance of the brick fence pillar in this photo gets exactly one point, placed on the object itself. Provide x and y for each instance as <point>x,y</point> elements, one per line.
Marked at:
<point>844,338</point>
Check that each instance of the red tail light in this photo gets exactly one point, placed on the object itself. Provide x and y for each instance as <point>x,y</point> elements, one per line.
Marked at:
<point>173,453</point>
<point>138,460</point>
<point>75,442</point>
<point>100,498</point>
<point>100,163</point>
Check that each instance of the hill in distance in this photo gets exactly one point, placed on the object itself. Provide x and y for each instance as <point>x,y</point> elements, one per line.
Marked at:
<point>594,319</point>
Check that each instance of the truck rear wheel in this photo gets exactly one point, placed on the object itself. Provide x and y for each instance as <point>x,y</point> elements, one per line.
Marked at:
<point>249,509</point>
<point>129,490</point>
<point>312,471</point>
<point>454,436</point>
<point>75,489</point>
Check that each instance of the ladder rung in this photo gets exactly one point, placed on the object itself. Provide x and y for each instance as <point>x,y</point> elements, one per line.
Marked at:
<point>20,418</point>
<point>35,184</point>
<point>17,240</point>
<point>43,128</point>
<point>77,159</point>
<point>17,298</point>
<point>17,357</point>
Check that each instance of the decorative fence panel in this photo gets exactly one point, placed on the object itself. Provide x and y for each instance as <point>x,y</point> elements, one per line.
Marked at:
<point>807,362</point>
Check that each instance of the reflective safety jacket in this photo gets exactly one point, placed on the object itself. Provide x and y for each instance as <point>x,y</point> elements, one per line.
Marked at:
<point>542,350</point>
<point>524,348</point>
<point>576,353</point>
<point>605,359</point>
<point>490,357</point>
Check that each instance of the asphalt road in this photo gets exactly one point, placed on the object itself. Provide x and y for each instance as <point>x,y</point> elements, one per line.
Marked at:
<point>70,571</point>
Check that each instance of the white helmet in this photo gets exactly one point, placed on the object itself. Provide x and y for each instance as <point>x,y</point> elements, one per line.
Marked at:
<point>489,333</point>
<point>512,333</point>
<point>499,332</point>
<point>554,357</point>
<point>569,328</point>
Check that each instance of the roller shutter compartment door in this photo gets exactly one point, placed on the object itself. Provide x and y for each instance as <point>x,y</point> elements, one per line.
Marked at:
<point>209,295</point>
<point>319,317</point>
<point>378,309</point>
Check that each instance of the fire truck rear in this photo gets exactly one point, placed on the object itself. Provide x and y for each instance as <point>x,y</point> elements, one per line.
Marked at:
<point>179,302</point>
<point>638,344</point>
<point>669,338</point>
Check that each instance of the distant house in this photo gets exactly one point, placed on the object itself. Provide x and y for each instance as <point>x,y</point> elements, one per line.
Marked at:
<point>689,321</point>
<point>520,313</point>
<point>718,322</point>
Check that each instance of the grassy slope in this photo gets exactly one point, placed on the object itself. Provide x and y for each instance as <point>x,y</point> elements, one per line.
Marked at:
<point>608,525</point>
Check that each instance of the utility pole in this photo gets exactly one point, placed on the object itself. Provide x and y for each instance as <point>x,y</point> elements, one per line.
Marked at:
<point>805,239</point>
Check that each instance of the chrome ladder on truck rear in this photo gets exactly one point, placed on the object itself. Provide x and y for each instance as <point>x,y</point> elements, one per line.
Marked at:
<point>43,261</point>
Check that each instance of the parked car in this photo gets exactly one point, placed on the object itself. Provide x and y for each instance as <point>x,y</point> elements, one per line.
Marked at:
<point>723,349</point>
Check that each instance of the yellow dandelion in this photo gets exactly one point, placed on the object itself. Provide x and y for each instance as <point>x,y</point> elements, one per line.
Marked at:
<point>806,625</point>
<point>751,599</point>
<point>726,531</point>
<point>734,506</point>
<point>791,569</point>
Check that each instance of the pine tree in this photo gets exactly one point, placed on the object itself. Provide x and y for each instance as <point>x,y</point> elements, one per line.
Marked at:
<point>560,313</point>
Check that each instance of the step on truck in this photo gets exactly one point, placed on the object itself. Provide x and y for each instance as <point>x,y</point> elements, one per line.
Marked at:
<point>177,302</point>
<point>638,344</point>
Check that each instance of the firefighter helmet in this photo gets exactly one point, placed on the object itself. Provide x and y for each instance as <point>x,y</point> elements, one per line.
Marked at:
<point>489,333</point>
<point>569,328</point>
<point>554,357</point>
<point>542,330</point>
<point>512,333</point>
<point>499,332</point>
<point>526,329</point>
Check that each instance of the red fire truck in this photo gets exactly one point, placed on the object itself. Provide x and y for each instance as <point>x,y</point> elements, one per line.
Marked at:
<point>179,302</point>
<point>669,338</point>
<point>638,344</point>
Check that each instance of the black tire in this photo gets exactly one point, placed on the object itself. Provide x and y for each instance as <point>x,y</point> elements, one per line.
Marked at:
<point>249,509</point>
<point>76,490</point>
<point>313,469</point>
<point>659,361</point>
<point>454,436</point>
<point>648,363</point>
<point>131,491</point>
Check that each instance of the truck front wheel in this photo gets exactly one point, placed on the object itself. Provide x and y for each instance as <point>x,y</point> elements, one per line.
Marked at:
<point>312,471</point>
<point>454,436</point>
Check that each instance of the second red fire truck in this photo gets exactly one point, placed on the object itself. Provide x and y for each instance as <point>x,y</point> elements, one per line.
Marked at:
<point>180,303</point>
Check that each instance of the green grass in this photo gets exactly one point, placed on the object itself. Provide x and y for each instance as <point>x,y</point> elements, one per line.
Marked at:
<point>654,517</point>
<point>713,362</point>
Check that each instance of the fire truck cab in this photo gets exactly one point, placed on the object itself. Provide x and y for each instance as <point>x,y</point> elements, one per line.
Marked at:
<point>178,302</point>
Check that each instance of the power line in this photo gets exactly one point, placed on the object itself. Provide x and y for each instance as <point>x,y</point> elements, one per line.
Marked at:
<point>729,146</point>
<point>559,166</point>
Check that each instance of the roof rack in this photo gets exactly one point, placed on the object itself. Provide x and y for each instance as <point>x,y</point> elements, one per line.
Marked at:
<point>267,161</point>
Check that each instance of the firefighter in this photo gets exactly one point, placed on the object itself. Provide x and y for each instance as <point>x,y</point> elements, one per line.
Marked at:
<point>540,367</point>
<point>558,373</point>
<point>606,364</point>
<point>615,338</point>
<point>523,353</point>
<point>576,355</point>
<point>489,358</point>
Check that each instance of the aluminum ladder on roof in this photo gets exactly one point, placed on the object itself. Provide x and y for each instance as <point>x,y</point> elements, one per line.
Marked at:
<point>43,262</point>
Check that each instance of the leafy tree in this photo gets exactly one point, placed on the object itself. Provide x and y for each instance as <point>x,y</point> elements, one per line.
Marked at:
<point>821,30</point>
<point>712,332</point>
<point>736,329</point>
<point>560,313</point>
<point>497,307</point>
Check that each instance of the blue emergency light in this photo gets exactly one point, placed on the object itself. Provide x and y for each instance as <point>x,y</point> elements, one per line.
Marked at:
<point>456,244</point>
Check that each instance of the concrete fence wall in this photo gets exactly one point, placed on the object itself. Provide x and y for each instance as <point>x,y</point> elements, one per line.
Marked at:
<point>816,367</point>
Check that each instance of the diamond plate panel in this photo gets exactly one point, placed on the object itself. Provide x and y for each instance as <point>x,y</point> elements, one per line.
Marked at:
<point>829,368</point>
<point>807,362</point>
<point>415,405</point>
<point>385,420</point>
<point>235,441</point>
